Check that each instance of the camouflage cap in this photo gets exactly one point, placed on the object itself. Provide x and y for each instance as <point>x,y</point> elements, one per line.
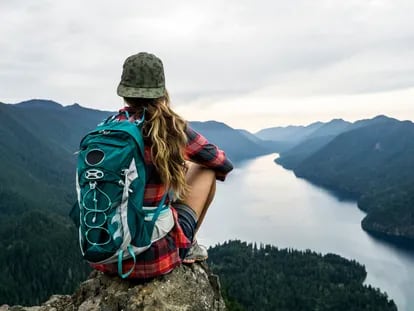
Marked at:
<point>142,76</point>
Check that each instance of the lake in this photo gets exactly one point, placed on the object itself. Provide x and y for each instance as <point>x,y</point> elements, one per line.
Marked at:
<point>263,202</point>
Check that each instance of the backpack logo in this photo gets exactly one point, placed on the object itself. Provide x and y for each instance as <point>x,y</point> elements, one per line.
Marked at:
<point>110,183</point>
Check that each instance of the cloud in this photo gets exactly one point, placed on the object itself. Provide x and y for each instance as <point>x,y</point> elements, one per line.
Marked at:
<point>73,51</point>
<point>262,109</point>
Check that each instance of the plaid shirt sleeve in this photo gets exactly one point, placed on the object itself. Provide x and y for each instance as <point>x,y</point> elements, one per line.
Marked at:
<point>201,151</point>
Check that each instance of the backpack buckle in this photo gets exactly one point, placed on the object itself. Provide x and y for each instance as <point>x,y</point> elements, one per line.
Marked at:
<point>92,185</point>
<point>94,174</point>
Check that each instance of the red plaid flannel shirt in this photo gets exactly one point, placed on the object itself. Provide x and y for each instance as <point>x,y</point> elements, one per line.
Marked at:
<point>163,255</point>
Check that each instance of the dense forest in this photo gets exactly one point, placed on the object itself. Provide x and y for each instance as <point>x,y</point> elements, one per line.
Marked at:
<point>263,277</point>
<point>40,257</point>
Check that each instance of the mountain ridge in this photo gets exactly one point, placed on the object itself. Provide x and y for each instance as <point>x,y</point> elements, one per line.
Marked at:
<point>371,161</point>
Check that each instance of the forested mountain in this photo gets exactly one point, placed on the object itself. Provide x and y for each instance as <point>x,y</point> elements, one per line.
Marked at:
<point>268,278</point>
<point>312,142</point>
<point>293,156</point>
<point>371,161</point>
<point>250,136</point>
<point>290,133</point>
<point>331,128</point>
<point>38,139</point>
<point>270,146</point>
<point>237,145</point>
<point>307,138</point>
<point>39,249</point>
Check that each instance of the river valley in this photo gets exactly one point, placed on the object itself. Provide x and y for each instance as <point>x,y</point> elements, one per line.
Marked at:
<point>263,202</point>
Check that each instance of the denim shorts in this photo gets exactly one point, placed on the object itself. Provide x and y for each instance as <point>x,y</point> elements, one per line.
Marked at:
<point>187,219</point>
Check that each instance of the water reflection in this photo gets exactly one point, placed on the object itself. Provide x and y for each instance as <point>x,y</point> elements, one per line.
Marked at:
<point>263,202</point>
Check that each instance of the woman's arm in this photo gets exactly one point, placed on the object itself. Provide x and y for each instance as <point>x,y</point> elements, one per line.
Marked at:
<point>201,151</point>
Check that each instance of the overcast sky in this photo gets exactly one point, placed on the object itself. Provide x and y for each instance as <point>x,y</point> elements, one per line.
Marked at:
<point>251,64</point>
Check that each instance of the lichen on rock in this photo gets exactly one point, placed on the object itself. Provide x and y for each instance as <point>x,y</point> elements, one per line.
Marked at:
<point>187,288</point>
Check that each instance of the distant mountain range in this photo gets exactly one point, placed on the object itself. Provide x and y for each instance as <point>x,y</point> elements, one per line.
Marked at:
<point>371,160</point>
<point>237,145</point>
<point>308,139</point>
<point>291,133</point>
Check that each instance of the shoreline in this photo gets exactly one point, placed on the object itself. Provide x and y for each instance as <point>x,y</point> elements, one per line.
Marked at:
<point>400,242</point>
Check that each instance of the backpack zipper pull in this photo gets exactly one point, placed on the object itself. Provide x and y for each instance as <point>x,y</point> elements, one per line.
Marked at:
<point>121,182</point>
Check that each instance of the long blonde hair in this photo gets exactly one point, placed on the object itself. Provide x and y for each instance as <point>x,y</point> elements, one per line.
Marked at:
<point>165,131</point>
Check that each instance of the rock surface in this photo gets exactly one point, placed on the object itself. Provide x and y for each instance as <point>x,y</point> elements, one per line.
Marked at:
<point>189,288</point>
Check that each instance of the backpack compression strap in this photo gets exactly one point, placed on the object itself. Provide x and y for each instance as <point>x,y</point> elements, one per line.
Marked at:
<point>120,255</point>
<point>129,247</point>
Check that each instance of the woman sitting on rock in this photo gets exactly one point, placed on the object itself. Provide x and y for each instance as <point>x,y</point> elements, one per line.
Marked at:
<point>178,159</point>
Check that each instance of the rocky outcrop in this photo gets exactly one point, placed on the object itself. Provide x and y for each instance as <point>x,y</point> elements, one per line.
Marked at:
<point>189,288</point>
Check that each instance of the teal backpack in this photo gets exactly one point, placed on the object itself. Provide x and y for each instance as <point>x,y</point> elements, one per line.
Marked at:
<point>110,183</point>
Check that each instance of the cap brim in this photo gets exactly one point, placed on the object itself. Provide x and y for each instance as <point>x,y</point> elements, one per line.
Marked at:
<point>128,91</point>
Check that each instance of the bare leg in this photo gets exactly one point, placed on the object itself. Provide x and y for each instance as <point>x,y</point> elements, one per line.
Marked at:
<point>202,184</point>
<point>202,187</point>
